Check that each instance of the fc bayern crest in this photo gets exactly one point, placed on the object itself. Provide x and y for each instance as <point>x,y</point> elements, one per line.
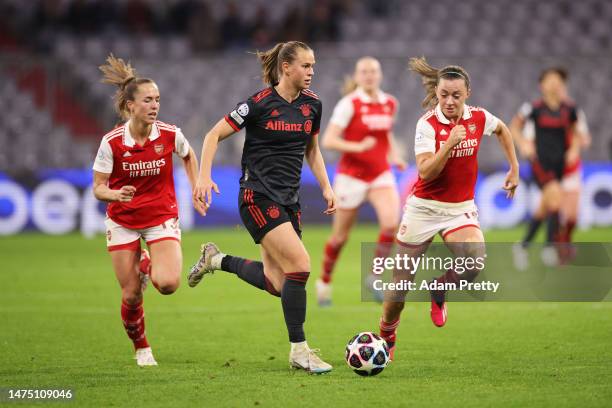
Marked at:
<point>159,148</point>
<point>305,108</point>
<point>308,126</point>
<point>273,212</point>
<point>472,127</point>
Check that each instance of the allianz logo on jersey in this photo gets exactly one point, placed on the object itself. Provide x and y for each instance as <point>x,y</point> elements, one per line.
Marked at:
<point>464,148</point>
<point>377,121</point>
<point>144,168</point>
<point>289,127</point>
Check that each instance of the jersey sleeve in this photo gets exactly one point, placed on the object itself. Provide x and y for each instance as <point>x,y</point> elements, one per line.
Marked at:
<point>241,115</point>
<point>104,158</point>
<point>573,114</point>
<point>316,126</point>
<point>425,138</point>
<point>343,113</point>
<point>491,123</point>
<point>181,145</point>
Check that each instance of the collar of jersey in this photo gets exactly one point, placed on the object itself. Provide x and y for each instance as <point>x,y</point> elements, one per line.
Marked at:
<point>129,141</point>
<point>365,98</point>
<point>467,113</point>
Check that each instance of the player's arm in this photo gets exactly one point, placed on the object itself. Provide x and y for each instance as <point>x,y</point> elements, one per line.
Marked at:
<point>332,139</point>
<point>190,162</point>
<point>395,153</point>
<point>517,127</point>
<point>505,139</point>
<point>573,152</point>
<point>317,165</point>
<point>205,185</point>
<point>103,192</point>
<point>430,164</point>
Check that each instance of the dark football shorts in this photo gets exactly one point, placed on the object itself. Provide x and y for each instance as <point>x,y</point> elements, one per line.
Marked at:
<point>544,173</point>
<point>260,214</point>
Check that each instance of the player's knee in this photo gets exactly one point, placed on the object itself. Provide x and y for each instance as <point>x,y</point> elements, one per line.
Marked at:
<point>299,263</point>
<point>388,229</point>
<point>339,239</point>
<point>131,297</point>
<point>167,286</point>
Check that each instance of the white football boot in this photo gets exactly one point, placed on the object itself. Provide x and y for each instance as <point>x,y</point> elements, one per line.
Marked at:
<point>144,357</point>
<point>209,262</point>
<point>324,293</point>
<point>303,357</point>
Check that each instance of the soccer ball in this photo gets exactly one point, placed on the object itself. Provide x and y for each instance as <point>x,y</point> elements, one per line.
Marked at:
<point>367,354</point>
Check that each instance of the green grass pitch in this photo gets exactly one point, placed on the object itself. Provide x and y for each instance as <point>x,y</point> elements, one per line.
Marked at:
<point>224,343</point>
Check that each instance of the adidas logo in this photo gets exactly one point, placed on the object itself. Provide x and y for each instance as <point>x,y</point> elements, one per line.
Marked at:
<point>443,132</point>
<point>274,113</point>
<point>127,154</point>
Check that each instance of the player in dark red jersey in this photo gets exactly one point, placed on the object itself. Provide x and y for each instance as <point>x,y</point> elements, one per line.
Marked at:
<point>361,128</point>
<point>282,126</point>
<point>447,141</point>
<point>547,134</point>
<point>133,173</point>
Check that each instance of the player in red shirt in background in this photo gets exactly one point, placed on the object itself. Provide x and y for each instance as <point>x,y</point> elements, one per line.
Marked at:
<point>361,129</point>
<point>442,202</point>
<point>133,173</point>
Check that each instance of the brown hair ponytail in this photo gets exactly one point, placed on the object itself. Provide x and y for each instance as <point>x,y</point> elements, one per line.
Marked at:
<point>272,59</point>
<point>430,77</point>
<point>124,77</point>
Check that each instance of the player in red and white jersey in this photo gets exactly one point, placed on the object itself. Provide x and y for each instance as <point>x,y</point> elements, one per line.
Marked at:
<point>447,141</point>
<point>361,128</point>
<point>133,173</point>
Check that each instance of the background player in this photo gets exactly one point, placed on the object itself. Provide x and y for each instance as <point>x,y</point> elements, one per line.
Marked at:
<point>282,125</point>
<point>442,202</point>
<point>133,173</point>
<point>361,129</point>
<point>552,144</point>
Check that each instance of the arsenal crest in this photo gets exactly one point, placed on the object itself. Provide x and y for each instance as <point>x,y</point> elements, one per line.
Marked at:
<point>159,148</point>
<point>305,108</point>
<point>472,127</point>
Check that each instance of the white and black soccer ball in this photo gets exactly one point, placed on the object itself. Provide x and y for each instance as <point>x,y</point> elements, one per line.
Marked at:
<point>367,354</point>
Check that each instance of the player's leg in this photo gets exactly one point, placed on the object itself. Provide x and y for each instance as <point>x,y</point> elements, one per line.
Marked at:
<point>342,223</point>
<point>385,200</point>
<point>394,302</point>
<point>552,194</point>
<point>351,192</point>
<point>124,248</point>
<point>284,245</point>
<point>166,265</point>
<point>126,265</point>
<point>464,238</point>
<point>416,231</point>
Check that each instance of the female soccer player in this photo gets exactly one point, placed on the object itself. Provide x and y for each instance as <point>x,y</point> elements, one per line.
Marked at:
<point>282,124</point>
<point>442,202</point>
<point>551,142</point>
<point>133,173</point>
<point>361,129</point>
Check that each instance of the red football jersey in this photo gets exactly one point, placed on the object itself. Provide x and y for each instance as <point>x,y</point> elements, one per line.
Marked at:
<point>457,180</point>
<point>148,168</point>
<point>360,116</point>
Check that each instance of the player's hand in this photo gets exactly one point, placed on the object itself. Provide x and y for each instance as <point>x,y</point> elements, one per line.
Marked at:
<point>199,206</point>
<point>457,135</point>
<point>511,182</point>
<point>330,197</point>
<point>125,194</point>
<point>367,143</point>
<point>203,194</point>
